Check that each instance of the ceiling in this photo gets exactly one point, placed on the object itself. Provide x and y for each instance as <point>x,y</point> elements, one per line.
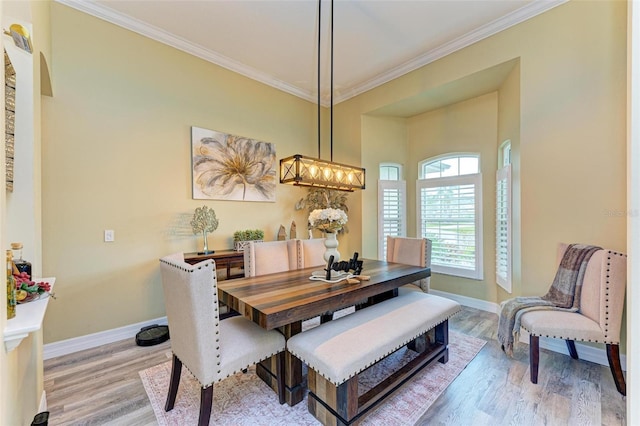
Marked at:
<point>275,41</point>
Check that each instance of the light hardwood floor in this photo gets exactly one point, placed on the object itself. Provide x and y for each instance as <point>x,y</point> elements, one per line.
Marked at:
<point>102,386</point>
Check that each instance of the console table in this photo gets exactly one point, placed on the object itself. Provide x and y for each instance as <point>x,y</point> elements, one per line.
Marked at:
<point>225,259</point>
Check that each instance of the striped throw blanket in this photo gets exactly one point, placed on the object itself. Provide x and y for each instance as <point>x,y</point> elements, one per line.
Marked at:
<point>564,294</point>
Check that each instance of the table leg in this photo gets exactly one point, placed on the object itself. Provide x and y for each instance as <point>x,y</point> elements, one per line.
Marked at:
<point>293,379</point>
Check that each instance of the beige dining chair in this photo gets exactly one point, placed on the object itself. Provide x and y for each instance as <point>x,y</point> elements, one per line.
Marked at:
<point>212,350</point>
<point>411,251</point>
<point>262,258</point>
<point>598,320</point>
<point>312,252</point>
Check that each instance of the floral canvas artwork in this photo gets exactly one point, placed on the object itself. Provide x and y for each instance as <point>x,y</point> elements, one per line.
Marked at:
<point>229,167</point>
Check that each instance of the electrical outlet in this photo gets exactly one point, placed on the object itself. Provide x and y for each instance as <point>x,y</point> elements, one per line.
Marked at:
<point>109,235</point>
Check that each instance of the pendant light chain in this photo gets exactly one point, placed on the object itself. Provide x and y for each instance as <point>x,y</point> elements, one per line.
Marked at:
<point>331,126</point>
<point>301,170</point>
<point>319,36</point>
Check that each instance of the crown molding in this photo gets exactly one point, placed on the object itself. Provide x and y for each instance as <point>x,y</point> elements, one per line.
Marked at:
<point>102,12</point>
<point>516,17</point>
<point>94,9</point>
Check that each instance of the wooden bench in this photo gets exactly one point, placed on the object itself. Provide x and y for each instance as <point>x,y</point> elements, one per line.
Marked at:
<point>337,351</point>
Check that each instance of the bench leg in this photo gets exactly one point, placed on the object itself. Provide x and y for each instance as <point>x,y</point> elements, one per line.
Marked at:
<point>340,402</point>
<point>442,336</point>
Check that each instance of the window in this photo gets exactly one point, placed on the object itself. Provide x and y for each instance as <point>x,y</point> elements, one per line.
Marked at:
<point>449,213</point>
<point>392,206</point>
<point>503,217</point>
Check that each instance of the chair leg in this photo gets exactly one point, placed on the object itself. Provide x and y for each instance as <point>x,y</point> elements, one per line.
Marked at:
<point>206,401</point>
<point>280,376</point>
<point>534,357</point>
<point>571,346</point>
<point>176,369</point>
<point>613,355</point>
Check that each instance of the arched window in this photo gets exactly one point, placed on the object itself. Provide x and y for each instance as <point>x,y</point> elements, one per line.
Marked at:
<point>449,194</point>
<point>392,205</point>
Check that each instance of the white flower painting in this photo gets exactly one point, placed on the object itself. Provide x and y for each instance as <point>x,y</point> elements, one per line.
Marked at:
<point>229,167</point>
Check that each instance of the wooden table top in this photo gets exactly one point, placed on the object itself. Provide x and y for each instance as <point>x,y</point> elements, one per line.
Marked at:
<point>276,300</point>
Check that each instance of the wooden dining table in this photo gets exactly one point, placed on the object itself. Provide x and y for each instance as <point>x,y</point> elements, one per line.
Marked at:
<point>283,300</point>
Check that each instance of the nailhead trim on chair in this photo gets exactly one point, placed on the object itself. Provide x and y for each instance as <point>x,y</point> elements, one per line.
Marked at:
<point>606,297</point>
<point>201,265</point>
<point>228,375</point>
<point>606,330</point>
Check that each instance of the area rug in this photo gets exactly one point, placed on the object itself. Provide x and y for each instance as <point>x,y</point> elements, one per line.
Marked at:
<point>244,399</point>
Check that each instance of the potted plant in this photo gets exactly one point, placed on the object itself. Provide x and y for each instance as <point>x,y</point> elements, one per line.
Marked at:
<point>241,238</point>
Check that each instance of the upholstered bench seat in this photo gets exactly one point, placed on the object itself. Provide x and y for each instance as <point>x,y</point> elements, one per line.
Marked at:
<point>337,351</point>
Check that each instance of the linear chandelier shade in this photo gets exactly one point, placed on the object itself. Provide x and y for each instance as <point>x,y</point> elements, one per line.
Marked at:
<point>306,171</point>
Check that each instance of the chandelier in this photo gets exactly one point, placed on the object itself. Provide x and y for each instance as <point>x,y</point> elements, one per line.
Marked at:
<point>302,170</point>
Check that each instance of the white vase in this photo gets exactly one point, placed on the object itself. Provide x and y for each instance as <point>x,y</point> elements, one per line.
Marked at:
<point>331,244</point>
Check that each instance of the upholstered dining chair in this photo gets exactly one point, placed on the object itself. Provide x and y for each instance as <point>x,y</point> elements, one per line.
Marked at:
<point>598,320</point>
<point>411,251</point>
<point>212,350</point>
<point>312,252</point>
<point>270,257</point>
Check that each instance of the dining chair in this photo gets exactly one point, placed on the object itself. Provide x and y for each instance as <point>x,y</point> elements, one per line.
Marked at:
<point>312,252</point>
<point>411,251</point>
<point>262,258</point>
<point>212,350</point>
<point>598,319</point>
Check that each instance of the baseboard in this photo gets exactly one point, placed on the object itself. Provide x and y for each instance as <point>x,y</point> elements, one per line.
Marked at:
<point>69,346</point>
<point>585,352</point>
<point>483,305</point>
<point>43,402</point>
<point>64,347</point>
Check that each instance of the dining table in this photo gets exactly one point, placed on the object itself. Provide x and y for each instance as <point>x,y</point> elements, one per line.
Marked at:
<point>283,300</point>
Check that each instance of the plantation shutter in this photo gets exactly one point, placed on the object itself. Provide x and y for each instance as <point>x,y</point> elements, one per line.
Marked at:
<point>450,215</point>
<point>392,212</point>
<point>503,227</point>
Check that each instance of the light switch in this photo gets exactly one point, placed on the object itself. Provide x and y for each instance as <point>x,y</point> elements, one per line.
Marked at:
<point>109,235</point>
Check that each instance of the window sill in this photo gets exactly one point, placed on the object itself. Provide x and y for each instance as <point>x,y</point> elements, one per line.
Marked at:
<point>29,318</point>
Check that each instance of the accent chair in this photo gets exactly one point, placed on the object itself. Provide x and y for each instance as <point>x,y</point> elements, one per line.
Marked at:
<point>598,320</point>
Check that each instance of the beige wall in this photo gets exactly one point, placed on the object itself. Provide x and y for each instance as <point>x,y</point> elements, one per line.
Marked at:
<point>116,155</point>
<point>571,91</point>
<point>385,141</point>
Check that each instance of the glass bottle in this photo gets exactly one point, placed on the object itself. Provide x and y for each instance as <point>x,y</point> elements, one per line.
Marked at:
<point>21,264</point>
<point>11,287</point>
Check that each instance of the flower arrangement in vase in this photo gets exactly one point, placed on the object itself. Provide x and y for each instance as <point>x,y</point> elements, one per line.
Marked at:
<point>321,198</point>
<point>329,221</point>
